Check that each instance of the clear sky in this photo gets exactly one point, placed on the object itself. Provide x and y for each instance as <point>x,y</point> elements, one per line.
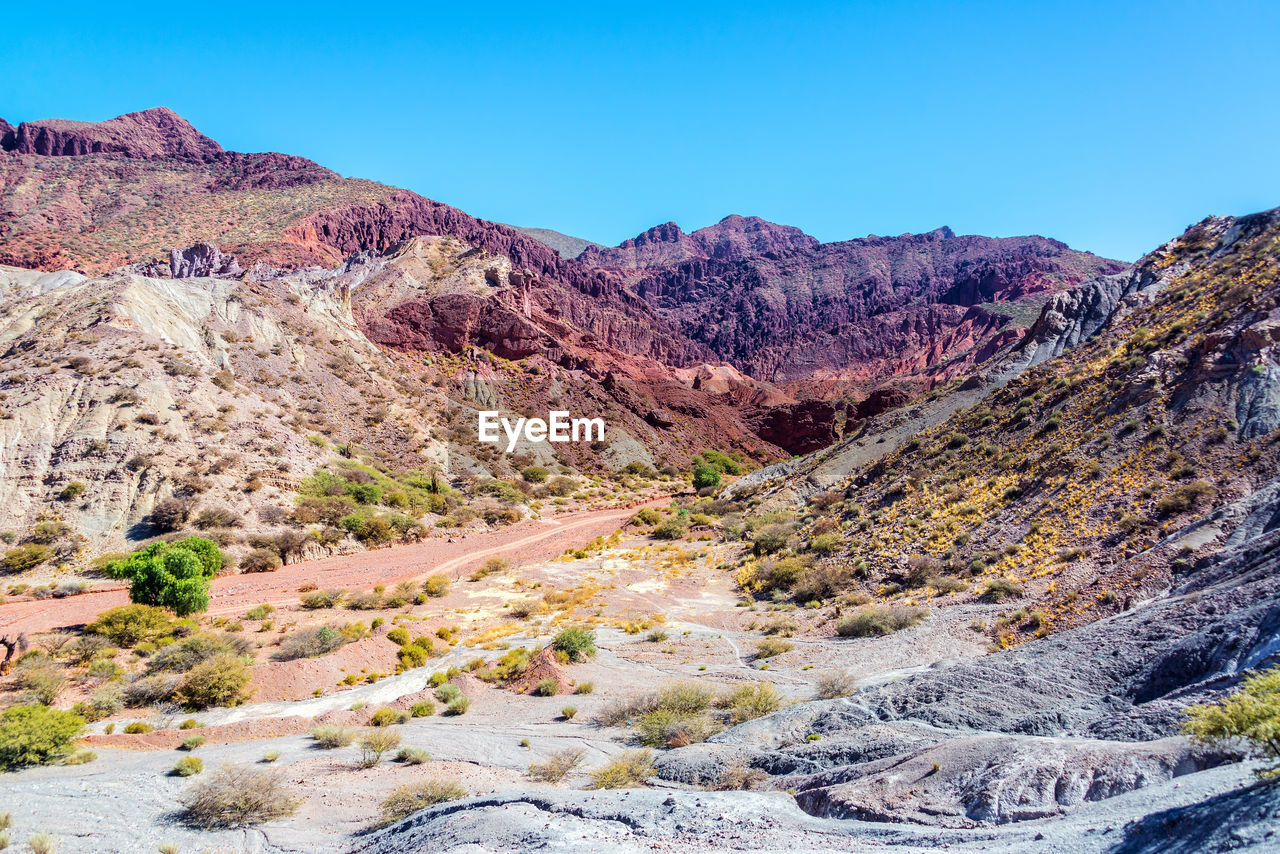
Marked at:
<point>1111,126</point>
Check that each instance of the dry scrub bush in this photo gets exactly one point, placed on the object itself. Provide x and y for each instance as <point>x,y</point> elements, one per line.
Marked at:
<point>873,620</point>
<point>404,801</point>
<point>376,742</point>
<point>236,796</point>
<point>557,766</point>
<point>630,769</point>
<point>330,737</point>
<point>834,684</point>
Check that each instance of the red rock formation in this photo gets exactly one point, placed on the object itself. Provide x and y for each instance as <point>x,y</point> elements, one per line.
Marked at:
<point>828,318</point>
<point>880,400</point>
<point>799,427</point>
<point>154,133</point>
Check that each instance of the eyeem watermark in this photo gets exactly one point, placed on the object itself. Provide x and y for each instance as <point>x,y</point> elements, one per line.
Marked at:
<point>559,428</point>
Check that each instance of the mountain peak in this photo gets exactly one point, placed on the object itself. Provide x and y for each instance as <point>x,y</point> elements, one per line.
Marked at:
<point>155,133</point>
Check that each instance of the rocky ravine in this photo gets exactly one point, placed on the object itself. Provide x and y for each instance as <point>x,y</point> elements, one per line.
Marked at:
<point>1064,744</point>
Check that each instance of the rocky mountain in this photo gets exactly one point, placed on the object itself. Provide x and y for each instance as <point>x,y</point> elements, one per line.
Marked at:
<point>837,319</point>
<point>829,321</point>
<point>1091,467</point>
<point>566,245</point>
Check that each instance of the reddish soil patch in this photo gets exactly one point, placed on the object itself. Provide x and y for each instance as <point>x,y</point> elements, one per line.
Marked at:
<point>169,739</point>
<point>298,679</point>
<point>526,542</point>
<point>543,665</point>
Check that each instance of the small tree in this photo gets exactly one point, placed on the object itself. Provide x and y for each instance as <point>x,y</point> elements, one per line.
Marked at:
<point>173,575</point>
<point>1251,715</point>
<point>705,476</point>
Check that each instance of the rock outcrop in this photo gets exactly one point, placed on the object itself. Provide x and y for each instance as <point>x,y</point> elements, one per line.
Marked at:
<point>799,427</point>
<point>198,261</point>
<point>154,134</point>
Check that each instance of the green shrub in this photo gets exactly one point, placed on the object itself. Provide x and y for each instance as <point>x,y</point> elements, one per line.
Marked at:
<point>413,756</point>
<point>72,491</point>
<point>435,586</point>
<point>584,688</point>
<point>670,528</point>
<point>406,800</point>
<point>310,643</point>
<point>190,723</point>
<point>221,681</point>
<point>457,706</point>
<point>825,543</point>
<point>191,742</point>
<point>872,620</point>
<point>42,684</point>
<point>546,688</point>
<point>1000,589</point>
<point>173,575</point>
<point>1184,497</point>
<point>131,624</point>
<point>422,709</point>
<point>770,647</point>
<point>748,702</point>
<point>318,599</point>
<point>647,516</point>
<point>386,716</point>
<point>188,767</point>
<point>260,612</point>
<point>138,728</point>
<point>1250,716</point>
<point>398,636</point>
<point>447,692</point>
<point>535,474</point>
<point>35,735</point>
<point>81,757</point>
<point>575,643</point>
<point>568,712</point>
<point>705,476</point>
<point>770,539</point>
<point>180,657</point>
<point>25,557</point>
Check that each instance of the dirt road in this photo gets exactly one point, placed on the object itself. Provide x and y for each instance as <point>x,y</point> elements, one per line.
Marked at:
<point>524,542</point>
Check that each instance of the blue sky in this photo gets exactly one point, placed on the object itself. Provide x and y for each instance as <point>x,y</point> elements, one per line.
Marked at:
<point>1111,126</point>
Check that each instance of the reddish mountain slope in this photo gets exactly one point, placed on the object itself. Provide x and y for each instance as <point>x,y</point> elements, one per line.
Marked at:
<point>831,318</point>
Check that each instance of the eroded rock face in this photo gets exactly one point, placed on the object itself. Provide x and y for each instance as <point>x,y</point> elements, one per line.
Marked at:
<point>454,322</point>
<point>879,401</point>
<point>825,318</point>
<point>201,260</point>
<point>799,427</point>
<point>1087,714</point>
